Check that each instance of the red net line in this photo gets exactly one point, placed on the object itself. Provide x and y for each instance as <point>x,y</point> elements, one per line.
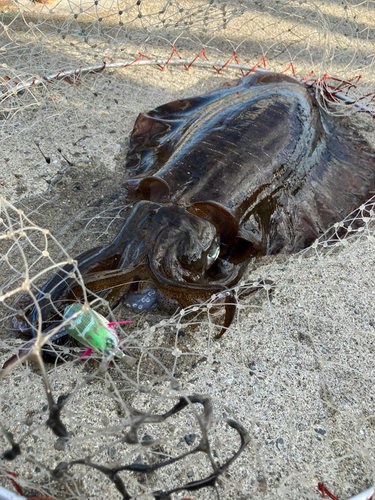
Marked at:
<point>11,475</point>
<point>365,495</point>
<point>334,89</point>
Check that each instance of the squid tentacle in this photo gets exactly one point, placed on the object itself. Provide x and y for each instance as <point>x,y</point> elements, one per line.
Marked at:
<point>116,281</point>
<point>187,294</point>
<point>128,248</point>
<point>54,290</point>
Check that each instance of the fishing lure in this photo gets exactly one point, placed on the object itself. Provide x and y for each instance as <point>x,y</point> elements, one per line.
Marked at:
<point>93,331</point>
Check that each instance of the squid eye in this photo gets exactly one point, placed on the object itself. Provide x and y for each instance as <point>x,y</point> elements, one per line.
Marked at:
<point>213,254</point>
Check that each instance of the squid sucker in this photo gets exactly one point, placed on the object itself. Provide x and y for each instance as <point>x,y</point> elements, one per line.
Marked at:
<point>254,168</point>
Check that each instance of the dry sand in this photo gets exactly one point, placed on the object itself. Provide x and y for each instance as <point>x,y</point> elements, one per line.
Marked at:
<point>295,369</point>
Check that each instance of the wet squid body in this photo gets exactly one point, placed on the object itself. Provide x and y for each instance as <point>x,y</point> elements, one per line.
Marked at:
<point>253,168</point>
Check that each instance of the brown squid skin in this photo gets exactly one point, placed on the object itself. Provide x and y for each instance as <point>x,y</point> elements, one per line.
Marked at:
<point>133,255</point>
<point>128,249</point>
<point>165,235</point>
<point>256,166</point>
<point>185,293</point>
<point>260,159</point>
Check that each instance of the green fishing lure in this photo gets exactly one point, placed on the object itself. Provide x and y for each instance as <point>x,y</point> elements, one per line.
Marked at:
<point>93,331</point>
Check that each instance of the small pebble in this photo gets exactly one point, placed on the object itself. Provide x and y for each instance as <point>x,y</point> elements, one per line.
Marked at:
<point>190,438</point>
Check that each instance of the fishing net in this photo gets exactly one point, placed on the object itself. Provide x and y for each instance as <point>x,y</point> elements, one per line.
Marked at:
<point>285,399</point>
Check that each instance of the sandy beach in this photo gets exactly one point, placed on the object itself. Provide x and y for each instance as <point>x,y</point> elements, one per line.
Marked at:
<point>296,367</point>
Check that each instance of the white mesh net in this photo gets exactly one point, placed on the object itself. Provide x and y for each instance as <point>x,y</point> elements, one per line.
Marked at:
<point>294,371</point>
